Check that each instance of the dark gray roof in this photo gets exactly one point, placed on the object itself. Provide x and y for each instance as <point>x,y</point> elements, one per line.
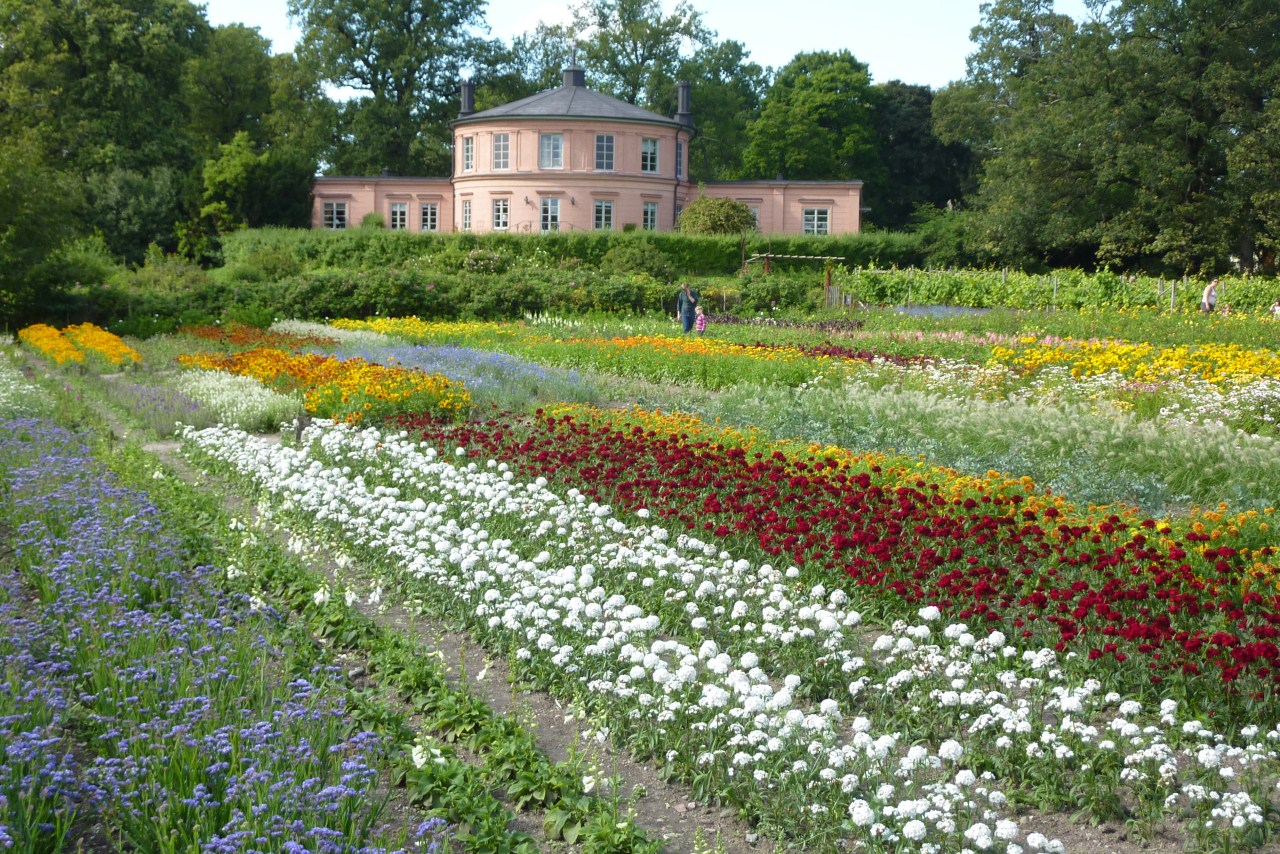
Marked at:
<point>573,101</point>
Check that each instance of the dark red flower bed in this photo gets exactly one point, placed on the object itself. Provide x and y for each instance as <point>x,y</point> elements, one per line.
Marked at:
<point>838,351</point>
<point>1101,590</point>
<point>241,335</point>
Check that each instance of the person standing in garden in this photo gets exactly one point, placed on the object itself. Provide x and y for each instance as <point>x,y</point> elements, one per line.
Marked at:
<point>686,301</point>
<point>700,320</point>
<point>1209,300</point>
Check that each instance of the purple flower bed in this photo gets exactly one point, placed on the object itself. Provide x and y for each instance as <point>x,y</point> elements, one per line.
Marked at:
<point>482,372</point>
<point>202,728</point>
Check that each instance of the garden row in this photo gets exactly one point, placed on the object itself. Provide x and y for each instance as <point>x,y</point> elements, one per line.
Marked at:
<point>666,623</point>
<point>758,683</point>
<point>1101,422</point>
<point>160,707</point>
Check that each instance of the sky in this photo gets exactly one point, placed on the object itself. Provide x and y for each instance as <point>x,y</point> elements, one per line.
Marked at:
<point>915,41</point>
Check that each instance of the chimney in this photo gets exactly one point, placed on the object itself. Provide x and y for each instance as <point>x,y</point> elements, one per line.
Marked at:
<point>574,77</point>
<point>683,114</point>
<point>468,99</point>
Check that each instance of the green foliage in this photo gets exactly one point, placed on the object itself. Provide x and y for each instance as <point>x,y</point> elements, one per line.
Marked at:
<point>772,292</point>
<point>919,169</point>
<point>709,215</point>
<point>688,254</point>
<point>815,123</point>
<point>1114,142</point>
<point>38,214</point>
<point>407,57</point>
<point>373,220</point>
<point>227,87</point>
<point>638,256</point>
<point>632,49</point>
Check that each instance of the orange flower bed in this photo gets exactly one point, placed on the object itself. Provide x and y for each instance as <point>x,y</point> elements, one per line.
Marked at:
<point>351,390</point>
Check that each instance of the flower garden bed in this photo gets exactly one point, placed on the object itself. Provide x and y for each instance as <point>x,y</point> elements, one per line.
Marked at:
<point>849,648</point>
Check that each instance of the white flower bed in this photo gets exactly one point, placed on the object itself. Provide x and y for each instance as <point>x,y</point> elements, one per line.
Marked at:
<point>353,337</point>
<point>239,401</point>
<point>18,395</point>
<point>754,688</point>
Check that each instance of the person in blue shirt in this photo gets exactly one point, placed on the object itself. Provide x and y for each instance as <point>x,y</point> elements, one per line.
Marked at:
<point>686,301</point>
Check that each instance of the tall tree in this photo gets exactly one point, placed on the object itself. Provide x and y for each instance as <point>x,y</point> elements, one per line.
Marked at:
<point>1114,141</point>
<point>920,169</point>
<point>406,57</point>
<point>534,64</point>
<point>99,79</point>
<point>227,87</point>
<point>99,83</point>
<point>816,122</point>
<point>38,214</point>
<point>726,89</point>
<point>632,49</point>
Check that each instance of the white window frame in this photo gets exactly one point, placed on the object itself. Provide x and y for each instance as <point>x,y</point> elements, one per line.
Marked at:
<point>501,214</point>
<point>603,215</point>
<point>649,155</point>
<point>429,217</point>
<point>649,216</point>
<point>549,208</point>
<point>679,158</point>
<point>755,216</point>
<point>604,152</point>
<point>816,220</point>
<point>468,153</point>
<point>466,214</point>
<point>501,152</point>
<point>398,216</point>
<point>334,215</point>
<point>551,151</point>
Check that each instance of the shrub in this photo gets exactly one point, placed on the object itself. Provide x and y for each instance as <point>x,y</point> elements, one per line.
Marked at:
<point>638,256</point>
<point>708,215</point>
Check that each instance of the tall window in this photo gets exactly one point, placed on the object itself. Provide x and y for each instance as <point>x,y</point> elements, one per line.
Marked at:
<point>468,153</point>
<point>550,214</point>
<point>648,155</point>
<point>501,151</point>
<point>604,216</point>
<point>335,214</point>
<point>679,210</point>
<point>399,219</point>
<point>650,220</point>
<point>501,214</point>
<point>604,152</point>
<point>755,218</point>
<point>466,214</point>
<point>817,220</point>
<point>551,151</point>
<point>430,217</point>
<point>679,158</point>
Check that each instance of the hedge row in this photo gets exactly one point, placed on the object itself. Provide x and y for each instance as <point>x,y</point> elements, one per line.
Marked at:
<point>1062,289</point>
<point>690,255</point>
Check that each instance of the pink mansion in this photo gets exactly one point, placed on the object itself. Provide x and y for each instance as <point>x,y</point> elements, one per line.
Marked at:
<point>574,159</point>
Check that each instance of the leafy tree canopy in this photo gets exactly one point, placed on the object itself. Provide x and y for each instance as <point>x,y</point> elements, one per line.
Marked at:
<point>708,215</point>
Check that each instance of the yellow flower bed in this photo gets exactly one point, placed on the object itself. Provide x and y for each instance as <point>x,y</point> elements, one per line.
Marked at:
<point>95,340</point>
<point>350,390</point>
<point>1220,364</point>
<point>413,327</point>
<point>51,343</point>
<point>902,470</point>
<point>76,344</point>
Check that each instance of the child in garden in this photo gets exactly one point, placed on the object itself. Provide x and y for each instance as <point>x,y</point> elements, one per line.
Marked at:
<point>699,320</point>
<point>1209,300</point>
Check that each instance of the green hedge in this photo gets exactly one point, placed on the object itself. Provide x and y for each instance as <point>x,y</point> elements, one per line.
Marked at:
<point>1060,289</point>
<point>253,249</point>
